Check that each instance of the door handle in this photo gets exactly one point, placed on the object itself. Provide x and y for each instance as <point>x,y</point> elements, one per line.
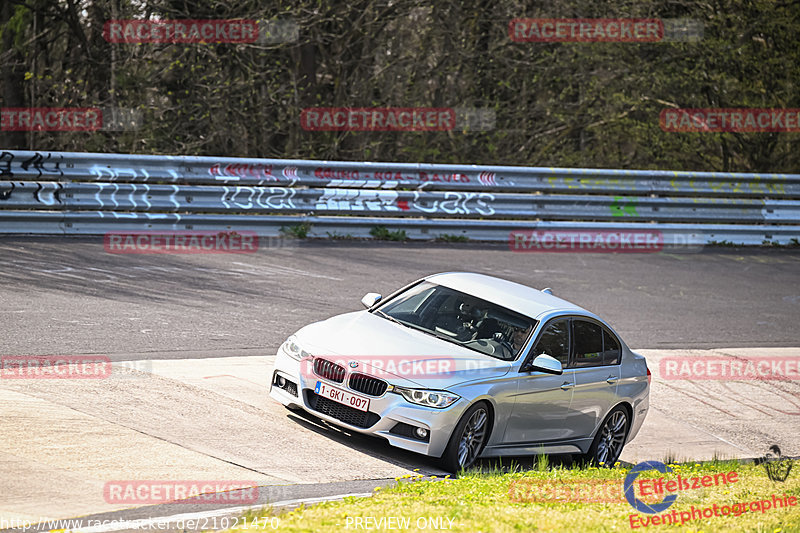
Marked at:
<point>611,380</point>
<point>566,385</point>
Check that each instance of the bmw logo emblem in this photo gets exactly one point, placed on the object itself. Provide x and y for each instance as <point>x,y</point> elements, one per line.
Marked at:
<point>353,364</point>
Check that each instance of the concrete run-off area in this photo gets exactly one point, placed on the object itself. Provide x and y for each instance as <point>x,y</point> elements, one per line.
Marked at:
<point>191,341</point>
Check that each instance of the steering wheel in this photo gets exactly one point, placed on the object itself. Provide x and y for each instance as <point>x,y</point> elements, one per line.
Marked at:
<point>505,344</point>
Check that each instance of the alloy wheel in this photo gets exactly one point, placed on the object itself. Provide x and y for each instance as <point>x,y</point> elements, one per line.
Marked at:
<point>612,438</point>
<point>472,438</point>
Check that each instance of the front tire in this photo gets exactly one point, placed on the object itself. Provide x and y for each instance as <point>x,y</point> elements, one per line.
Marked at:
<point>610,439</point>
<point>468,439</point>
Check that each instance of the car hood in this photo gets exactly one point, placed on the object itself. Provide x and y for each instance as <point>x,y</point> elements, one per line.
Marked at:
<point>399,354</point>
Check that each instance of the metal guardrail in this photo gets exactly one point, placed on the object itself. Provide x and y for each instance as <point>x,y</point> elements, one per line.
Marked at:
<point>82,193</point>
<point>379,202</point>
<point>190,170</point>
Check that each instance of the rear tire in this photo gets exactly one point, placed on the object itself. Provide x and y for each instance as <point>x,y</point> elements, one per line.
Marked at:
<point>468,439</point>
<point>610,439</point>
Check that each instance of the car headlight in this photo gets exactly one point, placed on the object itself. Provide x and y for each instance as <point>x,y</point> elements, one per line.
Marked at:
<point>429,398</point>
<point>293,350</point>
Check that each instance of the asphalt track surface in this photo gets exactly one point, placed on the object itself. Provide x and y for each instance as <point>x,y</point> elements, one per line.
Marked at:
<point>69,297</point>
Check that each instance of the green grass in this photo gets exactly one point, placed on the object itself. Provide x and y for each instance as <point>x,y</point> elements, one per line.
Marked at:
<point>484,502</point>
<point>447,237</point>
<point>383,234</point>
<point>300,231</point>
<point>335,236</point>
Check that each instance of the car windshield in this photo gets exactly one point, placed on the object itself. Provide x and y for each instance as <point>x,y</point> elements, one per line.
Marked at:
<point>461,319</point>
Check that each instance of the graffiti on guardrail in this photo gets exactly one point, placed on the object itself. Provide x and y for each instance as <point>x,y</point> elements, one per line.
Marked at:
<point>622,206</point>
<point>329,173</point>
<point>237,170</point>
<point>41,163</point>
<point>202,170</point>
<point>48,193</point>
<point>117,173</point>
<point>457,203</point>
<point>5,163</point>
<point>372,197</point>
<point>79,192</point>
<point>254,197</point>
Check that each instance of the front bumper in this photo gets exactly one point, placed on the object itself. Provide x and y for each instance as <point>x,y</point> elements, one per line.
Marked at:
<point>384,414</point>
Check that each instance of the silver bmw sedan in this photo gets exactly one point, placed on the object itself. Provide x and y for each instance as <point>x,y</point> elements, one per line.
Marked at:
<point>460,366</point>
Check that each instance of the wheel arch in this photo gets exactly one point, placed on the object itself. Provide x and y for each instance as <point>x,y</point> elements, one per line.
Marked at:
<point>625,404</point>
<point>491,411</point>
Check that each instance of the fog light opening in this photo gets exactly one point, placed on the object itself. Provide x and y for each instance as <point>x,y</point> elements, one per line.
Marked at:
<point>281,381</point>
<point>421,432</point>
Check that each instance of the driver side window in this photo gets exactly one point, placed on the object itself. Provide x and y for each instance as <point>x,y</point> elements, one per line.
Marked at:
<point>554,341</point>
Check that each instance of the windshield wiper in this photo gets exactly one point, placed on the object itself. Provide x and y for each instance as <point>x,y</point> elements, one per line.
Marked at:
<point>393,319</point>
<point>412,325</point>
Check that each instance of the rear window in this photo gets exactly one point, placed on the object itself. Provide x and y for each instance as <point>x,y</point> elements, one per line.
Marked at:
<point>588,343</point>
<point>594,345</point>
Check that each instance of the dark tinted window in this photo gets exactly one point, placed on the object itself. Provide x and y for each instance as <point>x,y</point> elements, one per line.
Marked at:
<point>611,351</point>
<point>554,341</point>
<point>588,339</point>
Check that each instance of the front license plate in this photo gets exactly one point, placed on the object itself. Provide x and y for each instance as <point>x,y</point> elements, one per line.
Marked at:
<point>342,396</point>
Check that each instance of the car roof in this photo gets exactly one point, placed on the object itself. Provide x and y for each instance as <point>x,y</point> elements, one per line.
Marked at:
<point>520,298</point>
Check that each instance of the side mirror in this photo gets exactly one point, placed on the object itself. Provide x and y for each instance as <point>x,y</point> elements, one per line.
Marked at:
<point>546,363</point>
<point>370,299</point>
